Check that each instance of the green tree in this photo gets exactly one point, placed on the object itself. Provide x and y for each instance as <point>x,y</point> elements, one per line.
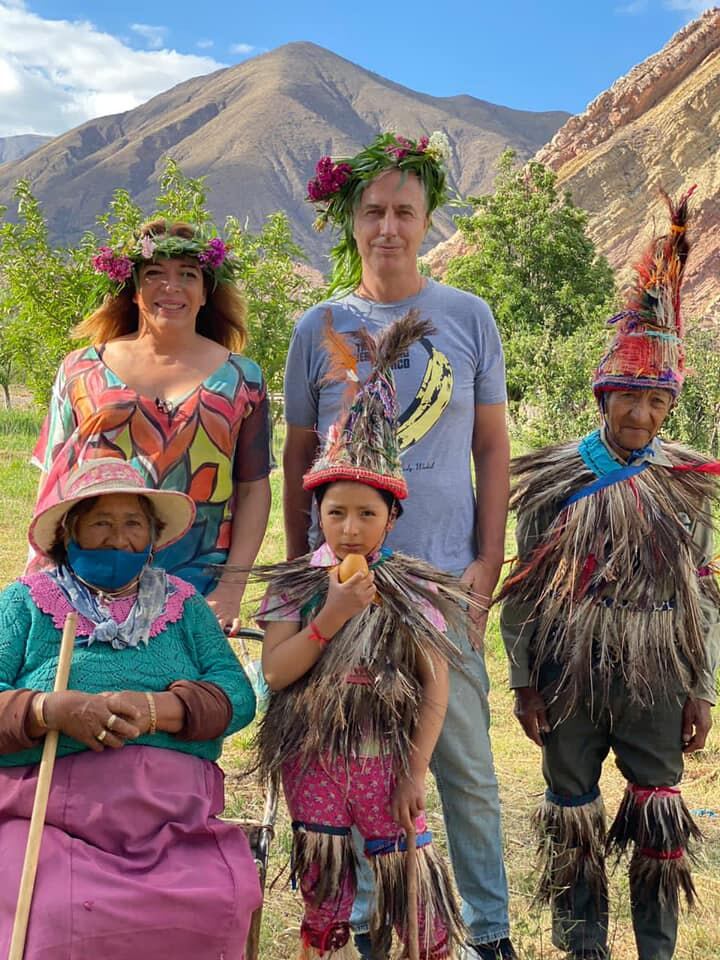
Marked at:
<point>696,417</point>
<point>7,361</point>
<point>46,291</point>
<point>275,290</point>
<point>530,257</point>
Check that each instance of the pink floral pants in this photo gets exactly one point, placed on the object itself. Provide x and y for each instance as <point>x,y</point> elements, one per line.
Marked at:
<point>339,795</point>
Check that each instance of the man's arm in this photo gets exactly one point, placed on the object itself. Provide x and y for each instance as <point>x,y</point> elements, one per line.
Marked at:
<point>491,457</point>
<point>301,445</point>
<point>697,715</point>
<point>705,688</point>
<point>517,628</point>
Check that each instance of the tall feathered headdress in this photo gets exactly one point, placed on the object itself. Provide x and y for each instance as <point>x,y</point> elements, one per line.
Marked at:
<point>647,349</point>
<point>362,445</point>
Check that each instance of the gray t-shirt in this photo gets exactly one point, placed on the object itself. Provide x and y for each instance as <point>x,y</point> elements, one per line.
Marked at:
<point>439,383</point>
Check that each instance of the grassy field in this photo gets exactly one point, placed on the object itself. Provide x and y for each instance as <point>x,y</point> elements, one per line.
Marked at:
<point>517,763</point>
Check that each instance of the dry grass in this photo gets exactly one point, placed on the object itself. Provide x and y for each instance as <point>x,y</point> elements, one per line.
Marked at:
<point>516,760</point>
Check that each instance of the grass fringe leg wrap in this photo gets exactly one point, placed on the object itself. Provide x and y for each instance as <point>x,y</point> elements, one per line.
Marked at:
<point>658,824</point>
<point>332,852</point>
<point>571,845</point>
<point>436,901</point>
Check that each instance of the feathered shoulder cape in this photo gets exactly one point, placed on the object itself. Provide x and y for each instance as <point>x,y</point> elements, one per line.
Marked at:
<point>323,713</point>
<point>611,577</point>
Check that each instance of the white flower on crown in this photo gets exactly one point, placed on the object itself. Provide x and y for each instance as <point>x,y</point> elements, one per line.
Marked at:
<point>439,147</point>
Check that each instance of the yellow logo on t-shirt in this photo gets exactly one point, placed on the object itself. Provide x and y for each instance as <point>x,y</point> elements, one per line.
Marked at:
<point>430,401</point>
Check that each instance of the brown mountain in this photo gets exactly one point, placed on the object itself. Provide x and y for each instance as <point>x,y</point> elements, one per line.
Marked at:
<point>256,130</point>
<point>657,126</point>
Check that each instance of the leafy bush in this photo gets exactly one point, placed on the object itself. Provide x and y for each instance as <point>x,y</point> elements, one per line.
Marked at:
<point>696,418</point>
<point>45,291</point>
<point>531,259</point>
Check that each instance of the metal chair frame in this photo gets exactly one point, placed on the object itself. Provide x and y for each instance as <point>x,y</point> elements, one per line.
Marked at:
<point>260,834</point>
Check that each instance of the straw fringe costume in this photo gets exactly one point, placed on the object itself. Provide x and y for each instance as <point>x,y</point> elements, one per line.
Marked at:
<point>611,612</point>
<point>341,735</point>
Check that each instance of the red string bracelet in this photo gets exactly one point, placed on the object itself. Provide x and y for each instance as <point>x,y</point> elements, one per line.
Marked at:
<point>315,635</point>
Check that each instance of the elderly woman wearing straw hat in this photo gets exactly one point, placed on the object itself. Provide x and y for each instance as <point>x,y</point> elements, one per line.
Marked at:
<point>134,861</point>
<point>165,386</point>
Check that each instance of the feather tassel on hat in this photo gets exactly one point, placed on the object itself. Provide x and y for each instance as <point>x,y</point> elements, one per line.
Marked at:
<point>647,349</point>
<point>362,445</point>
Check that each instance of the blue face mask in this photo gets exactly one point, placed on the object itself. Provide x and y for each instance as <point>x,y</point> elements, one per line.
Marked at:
<point>106,569</point>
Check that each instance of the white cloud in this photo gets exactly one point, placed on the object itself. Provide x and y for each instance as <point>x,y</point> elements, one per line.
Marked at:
<point>693,7</point>
<point>205,44</point>
<point>56,74</point>
<point>154,36</point>
<point>633,8</point>
<point>241,48</point>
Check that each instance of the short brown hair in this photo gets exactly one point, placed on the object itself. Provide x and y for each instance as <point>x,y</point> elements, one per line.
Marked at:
<point>222,318</point>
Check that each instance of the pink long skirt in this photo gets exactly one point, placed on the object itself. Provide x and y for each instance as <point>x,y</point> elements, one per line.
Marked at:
<point>134,862</point>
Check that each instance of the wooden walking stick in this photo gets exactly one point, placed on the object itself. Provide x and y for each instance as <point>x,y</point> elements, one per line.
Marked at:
<point>42,792</point>
<point>413,944</point>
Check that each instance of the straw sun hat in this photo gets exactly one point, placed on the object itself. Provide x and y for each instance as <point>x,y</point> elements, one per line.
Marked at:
<point>93,478</point>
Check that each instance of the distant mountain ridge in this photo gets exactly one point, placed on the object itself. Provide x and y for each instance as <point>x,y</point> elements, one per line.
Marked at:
<point>14,148</point>
<point>256,130</point>
<point>659,125</point>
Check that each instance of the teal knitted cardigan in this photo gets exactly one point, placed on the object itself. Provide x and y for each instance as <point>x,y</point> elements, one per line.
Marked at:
<point>193,647</point>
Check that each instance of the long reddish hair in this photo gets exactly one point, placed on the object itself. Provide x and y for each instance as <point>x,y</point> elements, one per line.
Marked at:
<point>222,318</point>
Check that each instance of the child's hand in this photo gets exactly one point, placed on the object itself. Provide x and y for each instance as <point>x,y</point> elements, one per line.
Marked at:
<point>344,600</point>
<point>407,801</point>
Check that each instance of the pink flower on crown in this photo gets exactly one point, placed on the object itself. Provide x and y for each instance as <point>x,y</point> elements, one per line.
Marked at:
<point>402,148</point>
<point>117,268</point>
<point>147,248</point>
<point>329,178</point>
<point>213,255</point>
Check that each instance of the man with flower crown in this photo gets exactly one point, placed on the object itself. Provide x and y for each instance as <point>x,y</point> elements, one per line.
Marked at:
<point>611,622</point>
<point>451,392</point>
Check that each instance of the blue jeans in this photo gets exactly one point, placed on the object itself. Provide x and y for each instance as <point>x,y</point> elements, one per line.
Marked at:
<point>463,768</point>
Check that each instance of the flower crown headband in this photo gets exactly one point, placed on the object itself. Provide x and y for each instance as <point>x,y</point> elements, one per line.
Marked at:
<point>338,184</point>
<point>211,252</point>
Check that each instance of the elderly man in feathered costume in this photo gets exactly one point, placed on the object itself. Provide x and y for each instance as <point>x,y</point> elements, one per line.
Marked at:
<point>610,619</point>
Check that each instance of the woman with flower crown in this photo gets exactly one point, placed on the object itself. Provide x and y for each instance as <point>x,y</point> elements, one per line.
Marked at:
<point>164,385</point>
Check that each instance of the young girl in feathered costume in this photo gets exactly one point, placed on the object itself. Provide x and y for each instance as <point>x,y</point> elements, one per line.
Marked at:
<point>358,671</point>
<point>610,619</point>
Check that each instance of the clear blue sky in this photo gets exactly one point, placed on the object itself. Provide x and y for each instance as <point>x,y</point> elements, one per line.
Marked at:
<point>528,55</point>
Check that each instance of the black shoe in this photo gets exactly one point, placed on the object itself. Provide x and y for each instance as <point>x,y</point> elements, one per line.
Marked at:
<point>364,947</point>
<point>495,950</point>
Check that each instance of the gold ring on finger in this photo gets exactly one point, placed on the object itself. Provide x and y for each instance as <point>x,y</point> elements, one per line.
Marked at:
<point>111,721</point>
<point>101,736</point>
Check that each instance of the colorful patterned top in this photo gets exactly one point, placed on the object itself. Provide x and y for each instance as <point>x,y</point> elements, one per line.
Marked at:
<point>214,437</point>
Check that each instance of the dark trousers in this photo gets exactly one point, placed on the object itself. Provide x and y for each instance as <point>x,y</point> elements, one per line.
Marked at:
<point>648,752</point>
